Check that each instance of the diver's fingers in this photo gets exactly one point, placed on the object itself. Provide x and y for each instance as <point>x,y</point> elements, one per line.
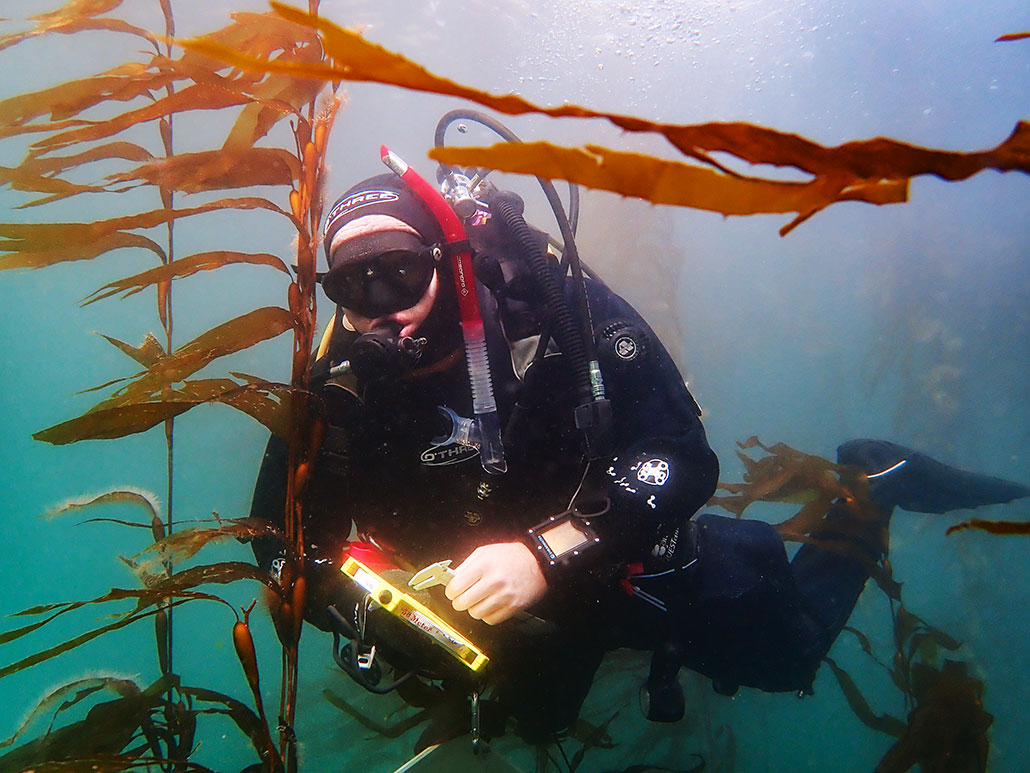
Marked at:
<point>507,572</point>
<point>479,592</point>
<point>492,610</point>
<point>465,576</point>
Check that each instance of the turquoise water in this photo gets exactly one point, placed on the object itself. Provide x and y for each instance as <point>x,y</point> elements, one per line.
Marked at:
<point>909,322</point>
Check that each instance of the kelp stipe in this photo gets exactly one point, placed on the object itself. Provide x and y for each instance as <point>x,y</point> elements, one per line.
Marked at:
<point>86,121</point>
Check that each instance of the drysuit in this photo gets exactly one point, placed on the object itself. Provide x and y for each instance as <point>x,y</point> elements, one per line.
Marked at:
<point>718,593</point>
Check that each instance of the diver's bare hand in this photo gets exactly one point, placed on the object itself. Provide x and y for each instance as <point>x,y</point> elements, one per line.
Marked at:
<point>497,581</point>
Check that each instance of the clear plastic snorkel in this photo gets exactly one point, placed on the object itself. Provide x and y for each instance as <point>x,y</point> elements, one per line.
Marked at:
<point>484,431</point>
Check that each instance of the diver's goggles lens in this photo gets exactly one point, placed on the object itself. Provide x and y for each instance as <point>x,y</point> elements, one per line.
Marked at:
<point>382,284</point>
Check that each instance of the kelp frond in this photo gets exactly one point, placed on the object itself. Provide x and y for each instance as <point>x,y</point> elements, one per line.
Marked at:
<point>77,16</point>
<point>132,496</point>
<point>785,474</point>
<point>183,267</point>
<point>68,695</point>
<point>875,171</point>
<point>94,125</point>
<point>1004,528</point>
<point>137,411</point>
<point>185,543</point>
<point>161,593</point>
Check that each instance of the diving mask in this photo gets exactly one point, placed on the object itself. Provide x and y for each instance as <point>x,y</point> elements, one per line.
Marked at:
<point>383,283</point>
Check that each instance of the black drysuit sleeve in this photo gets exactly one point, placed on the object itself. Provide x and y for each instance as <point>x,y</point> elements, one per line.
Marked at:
<point>662,469</point>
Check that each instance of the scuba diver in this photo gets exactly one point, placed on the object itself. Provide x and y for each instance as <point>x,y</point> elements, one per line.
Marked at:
<point>488,403</point>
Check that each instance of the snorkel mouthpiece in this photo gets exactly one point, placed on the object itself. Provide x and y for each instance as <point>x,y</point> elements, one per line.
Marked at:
<point>487,432</point>
<point>477,433</point>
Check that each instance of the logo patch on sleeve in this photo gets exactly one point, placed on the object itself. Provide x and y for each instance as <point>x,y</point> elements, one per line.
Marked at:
<point>654,472</point>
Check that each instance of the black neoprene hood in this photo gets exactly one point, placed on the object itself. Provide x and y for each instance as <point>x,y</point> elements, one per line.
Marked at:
<point>385,194</point>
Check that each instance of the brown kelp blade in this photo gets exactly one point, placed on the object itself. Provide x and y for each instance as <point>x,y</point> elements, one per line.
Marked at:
<point>258,34</point>
<point>884,723</point>
<point>183,267</point>
<point>914,637</point>
<point>948,728</point>
<point>144,599</point>
<point>69,695</point>
<point>214,170</point>
<point>163,592</point>
<point>39,174</point>
<point>237,711</point>
<point>180,584</point>
<point>185,543</point>
<point>84,243</point>
<point>117,496</point>
<point>88,636</point>
<point>1003,528</point>
<point>67,100</point>
<point>133,413</point>
<point>102,738</point>
<point>20,179</point>
<point>36,245</point>
<point>195,97</point>
<point>110,423</point>
<point>146,354</point>
<point>672,182</point>
<point>230,337</point>
<point>874,170</point>
<point>278,96</point>
<point>120,149</point>
<point>785,474</point>
<point>879,158</point>
<point>68,18</point>
<point>866,645</point>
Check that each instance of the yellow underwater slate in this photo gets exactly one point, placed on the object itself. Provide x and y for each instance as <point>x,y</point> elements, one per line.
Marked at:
<point>415,614</point>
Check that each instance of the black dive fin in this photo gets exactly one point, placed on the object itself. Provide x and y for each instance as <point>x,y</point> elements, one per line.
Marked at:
<point>913,481</point>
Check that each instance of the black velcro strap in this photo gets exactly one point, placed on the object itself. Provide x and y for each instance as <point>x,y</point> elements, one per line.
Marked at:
<point>451,248</point>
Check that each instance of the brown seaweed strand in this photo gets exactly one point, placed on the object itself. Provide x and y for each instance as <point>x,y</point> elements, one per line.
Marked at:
<point>301,304</point>
<point>311,135</point>
<point>166,632</point>
<point>164,300</point>
<point>243,643</point>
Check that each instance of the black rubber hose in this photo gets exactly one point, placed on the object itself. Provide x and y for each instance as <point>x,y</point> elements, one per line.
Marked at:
<point>503,131</point>
<point>570,253</point>
<point>564,323</point>
<point>346,656</point>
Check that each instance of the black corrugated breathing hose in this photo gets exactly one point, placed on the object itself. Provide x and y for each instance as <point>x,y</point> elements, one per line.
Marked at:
<point>569,339</point>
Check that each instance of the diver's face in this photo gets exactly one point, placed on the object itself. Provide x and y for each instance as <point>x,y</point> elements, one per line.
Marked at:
<point>410,319</point>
